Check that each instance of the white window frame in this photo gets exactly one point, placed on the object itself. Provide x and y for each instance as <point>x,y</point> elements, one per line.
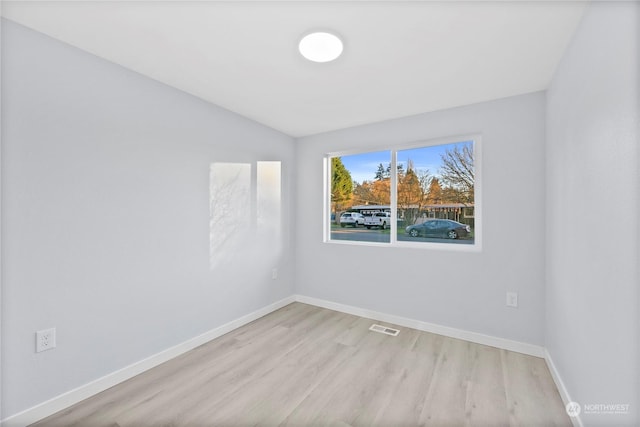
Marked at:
<point>393,149</point>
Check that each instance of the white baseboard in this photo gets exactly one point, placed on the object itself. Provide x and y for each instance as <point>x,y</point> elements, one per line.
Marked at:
<point>564,394</point>
<point>74,396</point>
<point>519,347</point>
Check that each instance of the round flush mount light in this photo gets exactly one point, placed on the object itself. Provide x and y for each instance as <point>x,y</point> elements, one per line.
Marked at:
<point>320,47</point>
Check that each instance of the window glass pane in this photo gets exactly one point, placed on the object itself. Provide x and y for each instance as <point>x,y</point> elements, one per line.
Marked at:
<point>360,186</point>
<point>436,194</point>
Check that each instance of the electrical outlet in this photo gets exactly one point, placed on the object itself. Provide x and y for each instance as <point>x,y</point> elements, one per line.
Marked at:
<point>274,274</point>
<point>45,340</point>
<point>512,299</point>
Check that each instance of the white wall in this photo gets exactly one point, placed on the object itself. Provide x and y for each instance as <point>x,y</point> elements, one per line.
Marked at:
<point>464,290</point>
<point>106,235</point>
<point>105,187</point>
<point>592,297</point>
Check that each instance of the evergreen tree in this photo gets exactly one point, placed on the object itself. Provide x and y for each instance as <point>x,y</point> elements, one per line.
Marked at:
<point>380,173</point>
<point>341,184</point>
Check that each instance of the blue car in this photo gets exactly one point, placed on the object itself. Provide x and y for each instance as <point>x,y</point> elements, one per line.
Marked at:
<point>443,228</point>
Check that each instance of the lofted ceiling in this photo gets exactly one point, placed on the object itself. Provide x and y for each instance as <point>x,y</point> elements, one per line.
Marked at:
<point>400,58</point>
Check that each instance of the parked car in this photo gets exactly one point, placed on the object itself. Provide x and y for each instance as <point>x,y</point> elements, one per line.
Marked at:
<point>445,228</point>
<point>351,218</point>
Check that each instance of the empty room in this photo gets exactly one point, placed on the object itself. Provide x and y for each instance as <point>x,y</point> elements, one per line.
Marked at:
<point>320,213</point>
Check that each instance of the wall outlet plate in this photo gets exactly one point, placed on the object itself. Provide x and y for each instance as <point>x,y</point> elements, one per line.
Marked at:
<point>512,299</point>
<point>45,340</point>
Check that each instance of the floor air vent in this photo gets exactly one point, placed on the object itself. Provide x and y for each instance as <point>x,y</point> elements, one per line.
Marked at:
<point>384,330</point>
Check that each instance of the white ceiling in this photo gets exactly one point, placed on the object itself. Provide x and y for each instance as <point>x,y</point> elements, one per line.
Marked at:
<point>400,58</point>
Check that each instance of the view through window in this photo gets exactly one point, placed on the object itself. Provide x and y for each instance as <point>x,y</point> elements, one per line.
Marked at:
<point>425,194</point>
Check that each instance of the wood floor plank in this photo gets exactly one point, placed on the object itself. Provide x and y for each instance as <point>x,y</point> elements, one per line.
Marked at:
<point>408,399</point>
<point>486,401</point>
<point>532,397</point>
<point>446,397</point>
<point>303,365</point>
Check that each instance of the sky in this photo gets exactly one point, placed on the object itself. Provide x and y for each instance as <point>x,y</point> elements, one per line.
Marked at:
<point>363,166</point>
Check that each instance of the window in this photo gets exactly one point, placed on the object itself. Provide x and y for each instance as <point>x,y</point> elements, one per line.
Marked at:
<point>424,195</point>
<point>360,188</point>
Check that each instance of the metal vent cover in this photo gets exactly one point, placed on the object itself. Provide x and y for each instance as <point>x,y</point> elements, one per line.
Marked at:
<point>384,330</point>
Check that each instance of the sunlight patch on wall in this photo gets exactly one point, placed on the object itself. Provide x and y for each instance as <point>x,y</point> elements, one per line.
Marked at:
<point>268,204</point>
<point>245,212</point>
<point>229,209</point>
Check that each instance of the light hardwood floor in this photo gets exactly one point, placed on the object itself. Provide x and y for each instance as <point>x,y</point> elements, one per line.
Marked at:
<point>304,365</point>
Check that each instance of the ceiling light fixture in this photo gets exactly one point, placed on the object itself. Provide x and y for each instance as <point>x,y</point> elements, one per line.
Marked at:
<point>320,47</point>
